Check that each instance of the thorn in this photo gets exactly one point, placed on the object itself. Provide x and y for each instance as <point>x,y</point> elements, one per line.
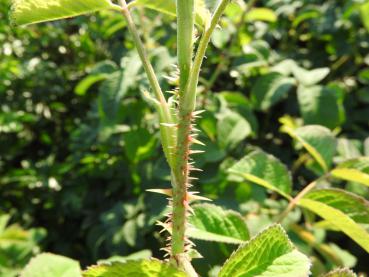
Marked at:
<point>196,152</point>
<point>171,125</point>
<point>198,112</point>
<point>196,141</point>
<point>167,192</point>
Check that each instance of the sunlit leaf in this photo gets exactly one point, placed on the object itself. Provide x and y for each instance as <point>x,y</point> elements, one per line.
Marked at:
<point>34,11</point>
<point>317,140</point>
<point>152,268</point>
<point>261,14</point>
<point>212,223</point>
<point>47,264</point>
<point>270,253</point>
<point>339,219</point>
<point>264,170</point>
<point>354,170</point>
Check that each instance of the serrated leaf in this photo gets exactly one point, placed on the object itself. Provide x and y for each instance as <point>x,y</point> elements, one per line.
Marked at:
<point>354,206</point>
<point>26,12</point>
<point>152,268</point>
<point>47,264</point>
<point>265,170</point>
<point>354,170</point>
<point>261,14</point>
<point>270,253</point>
<point>317,140</point>
<point>212,223</point>
<point>310,77</point>
<point>338,219</point>
<point>341,272</point>
<point>232,128</point>
<point>320,105</point>
<point>269,89</point>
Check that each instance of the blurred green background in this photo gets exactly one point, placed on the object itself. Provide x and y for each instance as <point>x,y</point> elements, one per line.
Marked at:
<point>79,145</point>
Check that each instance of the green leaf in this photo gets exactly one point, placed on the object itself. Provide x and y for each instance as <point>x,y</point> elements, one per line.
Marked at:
<point>354,170</point>
<point>309,78</point>
<point>338,219</point>
<point>261,14</point>
<point>270,253</point>
<point>341,272</point>
<point>83,86</point>
<point>26,12</point>
<point>212,223</point>
<point>269,89</point>
<point>264,170</point>
<point>202,8</point>
<point>364,12</point>
<point>352,205</point>
<point>317,140</point>
<point>320,105</point>
<point>152,268</point>
<point>232,128</point>
<point>47,264</point>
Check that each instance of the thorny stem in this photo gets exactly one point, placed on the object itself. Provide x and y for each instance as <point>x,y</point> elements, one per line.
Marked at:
<point>294,202</point>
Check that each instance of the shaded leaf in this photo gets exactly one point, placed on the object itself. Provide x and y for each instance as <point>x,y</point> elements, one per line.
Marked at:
<point>317,140</point>
<point>152,268</point>
<point>354,170</point>
<point>34,11</point>
<point>269,89</point>
<point>320,105</point>
<point>264,170</point>
<point>270,253</point>
<point>47,264</point>
<point>212,223</point>
<point>232,128</point>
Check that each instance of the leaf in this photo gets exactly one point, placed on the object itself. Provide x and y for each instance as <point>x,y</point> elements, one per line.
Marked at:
<point>364,12</point>
<point>354,170</point>
<point>310,77</point>
<point>317,140</point>
<point>47,264</point>
<point>269,89</point>
<point>202,9</point>
<point>352,205</point>
<point>341,272</point>
<point>232,128</point>
<point>26,12</point>
<point>261,14</point>
<point>270,253</point>
<point>212,223</point>
<point>320,105</point>
<point>264,170</point>
<point>83,86</point>
<point>338,219</point>
<point>152,268</point>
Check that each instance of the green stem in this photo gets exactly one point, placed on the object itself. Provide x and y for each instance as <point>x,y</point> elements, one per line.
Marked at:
<point>294,202</point>
<point>167,134</point>
<point>189,98</point>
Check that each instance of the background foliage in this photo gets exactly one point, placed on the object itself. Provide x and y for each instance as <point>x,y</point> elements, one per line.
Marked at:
<point>79,144</point>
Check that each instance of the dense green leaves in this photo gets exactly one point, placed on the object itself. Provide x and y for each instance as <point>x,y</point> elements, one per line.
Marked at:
<point>149,268</point>
<point>270,253</point>
<point>34,11</point>
<point>317,140</point>
<point>212,223</point>
<point>51,265</point>
<point>355,170</point>
<point>264,170</point>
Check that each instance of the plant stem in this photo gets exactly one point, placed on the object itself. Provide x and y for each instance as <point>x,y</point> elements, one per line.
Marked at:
<point>167,134</point>
<point>294,202</point>
<point>189,98</point>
